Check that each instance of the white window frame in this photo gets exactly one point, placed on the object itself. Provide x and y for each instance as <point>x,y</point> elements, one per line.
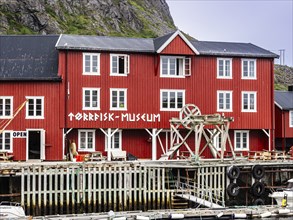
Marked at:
<point>42,110</point>
<point>291,118</point>
<point>87,131</point>
<point>119,133</point>
<point>248,69</point>
<point>4,98</point>
<point>185,69</point>
<point>126,65</point>
<point>118,90</point>
<point>91,97</point>
<point>84,72</point>
<point>242,101</point>
<point>224,76</point>
<point>241,132</point>
<point>225,101</point>
<point>3,142</point>
<point>176,98</point>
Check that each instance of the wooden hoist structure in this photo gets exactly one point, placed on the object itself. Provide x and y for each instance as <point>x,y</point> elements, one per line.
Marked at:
<point>4,123</point>
<point>210,126</point>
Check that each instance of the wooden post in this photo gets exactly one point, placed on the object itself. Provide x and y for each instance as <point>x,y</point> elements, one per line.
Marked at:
<point>154,144</point>
<point>109,144</point>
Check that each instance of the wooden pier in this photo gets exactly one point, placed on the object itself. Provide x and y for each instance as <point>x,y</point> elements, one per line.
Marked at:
<point>49,188</point>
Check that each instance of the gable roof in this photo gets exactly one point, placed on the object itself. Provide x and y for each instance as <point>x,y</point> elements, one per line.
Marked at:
<point>28,57</point>
<point>284,99</point>
<point>156,45</point>
<point>167,39</point>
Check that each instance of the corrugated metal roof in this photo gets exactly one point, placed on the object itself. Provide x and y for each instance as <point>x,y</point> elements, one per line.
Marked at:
<point>231,49</point>
<point>102,43</point>
<point>26,57</point>
<point>284,99</point>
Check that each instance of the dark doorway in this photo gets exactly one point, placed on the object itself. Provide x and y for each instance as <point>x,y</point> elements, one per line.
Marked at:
<point>34,145</point>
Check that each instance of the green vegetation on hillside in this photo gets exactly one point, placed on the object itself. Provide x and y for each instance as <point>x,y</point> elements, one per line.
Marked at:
<point>283,77</point>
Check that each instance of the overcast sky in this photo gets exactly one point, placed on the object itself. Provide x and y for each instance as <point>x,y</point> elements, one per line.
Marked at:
<point>265,23</point>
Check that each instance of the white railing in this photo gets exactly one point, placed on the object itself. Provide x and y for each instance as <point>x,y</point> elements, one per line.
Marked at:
<point>190,187</point>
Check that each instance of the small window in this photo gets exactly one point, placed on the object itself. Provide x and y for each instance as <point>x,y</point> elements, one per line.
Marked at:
<point>241,140</point>
<point>91,64</point>
<point>118,99</point>
<point>248,69</point>
<point>86,140</point>
<point>6,141</point>
<point>6,106</point>
<point>224,103</point>
<point>35,108</point>
<point>172,100</point>
<point>291,118</point>
<point>91,99</point>
<point>119,64</point>
<point>224,68</point>
<point>116,141</point>
<point>249,101</point>
<point>175,66</point>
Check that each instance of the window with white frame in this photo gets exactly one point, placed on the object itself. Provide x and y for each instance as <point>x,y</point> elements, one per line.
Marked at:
<point>118,99</point>
<point>86,140</point>
<point>241,140</point>
<point>249,102</point>
<point>175,66</point>
<point>224,68</point>
<point>116,141</point>
<point>172,100</point>
<point>35,107</point>
<point>248,69</point>
<point>224,101</point>
<point>91,64</point>
<point>291,118</point>
<point>6,106</point>
<point>91,99</point>
<point>6,141</point>
<point>119,64</point>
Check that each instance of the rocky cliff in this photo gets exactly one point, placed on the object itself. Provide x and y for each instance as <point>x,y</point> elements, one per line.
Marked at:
<point>136,18</point>
<point>283,77</point>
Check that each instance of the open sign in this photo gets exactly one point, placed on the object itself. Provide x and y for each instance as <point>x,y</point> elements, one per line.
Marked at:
<point>19,134</point>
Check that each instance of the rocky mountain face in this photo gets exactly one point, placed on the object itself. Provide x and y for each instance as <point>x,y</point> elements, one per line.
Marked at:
<point>283,77</point>
<point>136,18</point>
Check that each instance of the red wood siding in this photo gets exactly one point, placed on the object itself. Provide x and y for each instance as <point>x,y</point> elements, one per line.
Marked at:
<point>177,46</point>
<point>279,119</point>
<point>136,142</point>
<point>283,129</point>
<point>53,135</point>
<point>143,91</point>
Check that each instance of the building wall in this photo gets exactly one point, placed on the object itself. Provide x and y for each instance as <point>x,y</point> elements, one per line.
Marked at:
<point>138,143</point>
<point>52,106</point>
<point>283,129</point>
<point>279,118</point>
<point>143,90</point>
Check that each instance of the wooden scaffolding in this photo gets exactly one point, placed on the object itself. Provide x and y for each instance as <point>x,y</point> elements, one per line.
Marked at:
<point>210,126</point>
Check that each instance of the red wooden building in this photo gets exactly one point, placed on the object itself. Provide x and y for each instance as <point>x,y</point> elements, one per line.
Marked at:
<point>29,71</point>
<point>284,119</point>
<point>118,94</point>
